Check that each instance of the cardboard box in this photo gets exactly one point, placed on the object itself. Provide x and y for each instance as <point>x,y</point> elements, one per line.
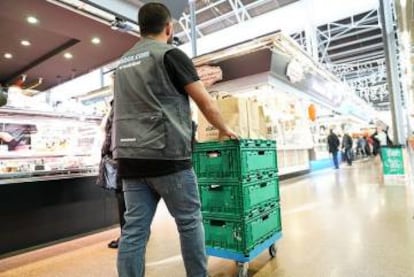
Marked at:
<point>256,120</point>
<point>234,112</point>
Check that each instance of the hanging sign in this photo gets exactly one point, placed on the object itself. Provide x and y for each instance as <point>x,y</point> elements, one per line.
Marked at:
<point>294,71</point>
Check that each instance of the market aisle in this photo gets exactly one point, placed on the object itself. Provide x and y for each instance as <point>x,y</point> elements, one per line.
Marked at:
<point>336,223</point>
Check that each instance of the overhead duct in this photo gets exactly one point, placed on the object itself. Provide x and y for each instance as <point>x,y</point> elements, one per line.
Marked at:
<point>121,18</point>
<point>129,12</point>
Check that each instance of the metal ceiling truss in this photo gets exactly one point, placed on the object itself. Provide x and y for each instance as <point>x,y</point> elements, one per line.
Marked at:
<point>367,79</point>
<point>332,34</point>
<point>185,24</point>
<point>238,10</point>
<point>353,50</point>
<point>333,37</point>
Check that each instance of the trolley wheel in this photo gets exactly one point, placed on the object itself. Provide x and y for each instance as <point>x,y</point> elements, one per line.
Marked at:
<point>242,269</point>
<point>273,250</point>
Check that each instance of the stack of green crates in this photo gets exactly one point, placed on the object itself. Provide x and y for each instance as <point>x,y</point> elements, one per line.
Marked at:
<point>239,191</point>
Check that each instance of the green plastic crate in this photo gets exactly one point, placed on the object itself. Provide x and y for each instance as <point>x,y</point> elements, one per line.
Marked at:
<point>234,159</point>
<point>241,235</point>
<point>237,198</point>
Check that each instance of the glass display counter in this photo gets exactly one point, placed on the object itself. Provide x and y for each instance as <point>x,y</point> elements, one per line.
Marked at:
<point>37,144</point>
<point>48,169</point>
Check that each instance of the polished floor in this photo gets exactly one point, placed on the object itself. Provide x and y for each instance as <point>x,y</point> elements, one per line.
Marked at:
<point>336,223</point>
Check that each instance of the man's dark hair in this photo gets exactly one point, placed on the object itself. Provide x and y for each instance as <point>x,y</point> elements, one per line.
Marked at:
<point>152,18</point>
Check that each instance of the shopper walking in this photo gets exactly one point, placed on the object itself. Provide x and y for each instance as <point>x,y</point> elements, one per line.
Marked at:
<point>361,147</point>
<point>367,145</point>
<point>333,146</point>
<point>380,139</point>
<point>152,141</point>
<point>106,127</point>
<point>347,146</point>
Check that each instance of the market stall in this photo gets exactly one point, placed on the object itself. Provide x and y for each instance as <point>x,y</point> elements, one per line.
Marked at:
<point>273,72</point>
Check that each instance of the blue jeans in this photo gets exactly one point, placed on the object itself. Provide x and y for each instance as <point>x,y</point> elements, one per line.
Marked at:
<point>180,193</point>
<point>335,158</point>
<point>348,155</point>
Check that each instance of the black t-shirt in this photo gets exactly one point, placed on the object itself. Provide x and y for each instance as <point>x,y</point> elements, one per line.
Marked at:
<point>182,72</point>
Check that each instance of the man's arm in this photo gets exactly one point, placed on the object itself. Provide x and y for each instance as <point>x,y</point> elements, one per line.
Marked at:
<point>184,76</point>
<point>209,108</point>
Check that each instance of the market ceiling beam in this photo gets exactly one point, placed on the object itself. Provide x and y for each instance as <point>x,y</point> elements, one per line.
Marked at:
<point>129,12</point>
<point>185,22</point>
<point>362,58</point>
<point>239,10</point>
<point>224,16</point>
<point>357,24</point>
<point>353,33</point>
<point>336,29</point>
<point>360,63</point>
<point>40,60</point>
<point>339,31</point>
<point>356,68</point>
<point>121,9</point>
<point>353,52</point>
<point>353,42</point>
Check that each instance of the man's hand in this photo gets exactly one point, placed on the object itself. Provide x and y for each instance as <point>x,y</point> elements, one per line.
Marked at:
<point>227,133</point>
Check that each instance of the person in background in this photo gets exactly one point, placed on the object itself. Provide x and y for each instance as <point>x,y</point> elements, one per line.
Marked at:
<point>106,126</point>
<point>367,145</point>
<point>361,147</point>
<point>374,144</point>
<point>380,139</point>
<point>333,147</point>
<point>152,142</point>
<point>347,146</point>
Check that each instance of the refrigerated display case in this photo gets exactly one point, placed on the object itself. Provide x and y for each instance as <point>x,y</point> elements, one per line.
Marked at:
<point>48,169</point>
<point>45,144</point>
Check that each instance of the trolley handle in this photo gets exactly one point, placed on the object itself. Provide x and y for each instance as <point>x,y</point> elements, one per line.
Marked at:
<point>214,154</point>
<point>262,185</point>
<point>215,187</point>
<point>215,222</point>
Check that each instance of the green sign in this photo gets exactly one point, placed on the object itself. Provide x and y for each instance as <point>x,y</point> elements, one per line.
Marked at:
<point>392,160</point>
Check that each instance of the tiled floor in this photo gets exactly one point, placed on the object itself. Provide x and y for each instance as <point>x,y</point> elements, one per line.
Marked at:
<point>336,223</point>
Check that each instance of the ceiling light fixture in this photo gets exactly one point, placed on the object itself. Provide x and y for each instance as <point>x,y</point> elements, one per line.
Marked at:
<point>8,55</point>
<point>96,40</point>
<point>32,20</point>
<point>68,55</point>
<point>25,43</point>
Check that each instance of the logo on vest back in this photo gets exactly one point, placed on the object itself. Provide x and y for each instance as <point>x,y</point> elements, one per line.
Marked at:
<point>133,60</point>
<point>128,139</point>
